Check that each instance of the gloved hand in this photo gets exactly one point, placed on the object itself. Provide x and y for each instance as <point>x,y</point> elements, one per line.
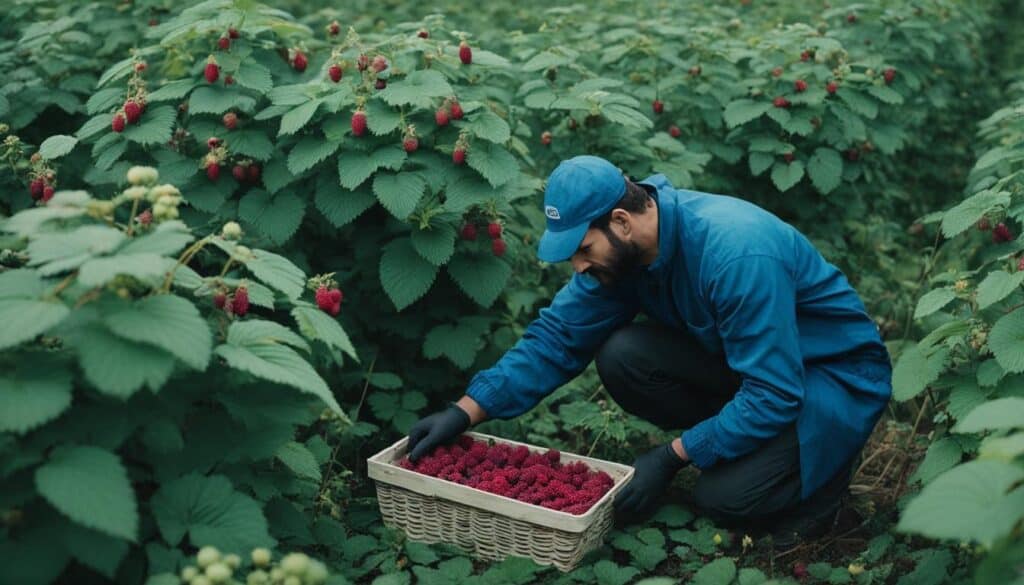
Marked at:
<point>653,473</point>
<point>436,429</point>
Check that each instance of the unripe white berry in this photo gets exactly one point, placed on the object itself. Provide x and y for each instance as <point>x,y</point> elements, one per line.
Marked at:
<point>295,563</point>
<point>188,573</point>
<point>260,557</point>
<point>218,572</point>
<point>142,175</point>
<point>232,561</point>
<point>135,193</point>
<point>231,230</point>
<point>208,554</point>
<point>257,577</point>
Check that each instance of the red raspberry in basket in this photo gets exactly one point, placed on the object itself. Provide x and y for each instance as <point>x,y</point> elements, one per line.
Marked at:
<point>465,441</point>
<point>552,455</point>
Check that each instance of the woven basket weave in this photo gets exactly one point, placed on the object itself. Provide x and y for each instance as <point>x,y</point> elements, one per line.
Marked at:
<point>486,525</point>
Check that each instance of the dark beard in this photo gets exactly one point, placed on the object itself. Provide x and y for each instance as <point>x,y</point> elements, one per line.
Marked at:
<point>624,259</point>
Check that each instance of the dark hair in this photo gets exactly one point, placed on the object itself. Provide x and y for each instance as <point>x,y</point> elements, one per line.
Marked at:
<point>634,201</point>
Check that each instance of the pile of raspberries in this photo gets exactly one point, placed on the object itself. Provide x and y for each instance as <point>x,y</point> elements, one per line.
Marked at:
<point>516,472</point>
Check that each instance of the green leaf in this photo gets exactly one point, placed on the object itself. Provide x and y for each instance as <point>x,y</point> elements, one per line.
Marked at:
<point>91,486</point>
<point>342,206</point>
<point>717,572</point>
<point>297,118</point>
<point>399,578</point>
<point>167,239</point>
<point>436,243</point>
<point>211,512</point>
<point>673,516</point>
<point>154,127</point>
<point>20,283</point>
<point>608,573</point>
<point>145,267</point>
<point>24,319</point>
<point>280,364</point>
<point>989,373</point>
<point>826,170</point>
<point>759,162</point>
<point>858,102</point>
<point>493,162</point>
<point>258,331</point>
<point>941,456</point>
<point>118,367</point>
<point>419,88</point>
<point>405,275</point>
<point>166,321</point>
<point>997,285</point>
<point>95,549</point>
<point>315,324</point>
<point>970,210</point>
<point>216,99</point>
<point>252,75</point>
<point>381,119</point>
<point>173,90</point>
<point>620,114</point>
<point>1006,340</point>
<point>885,94</point>
<point>915,370</point>
<point>32,394</point>
<point>743,111</point>
<point>310,151</point>
<point>998,414</point>
<point>459,343</point>
<point>490,126</point>
<point>933,301</point>
<point>399,193</point>
<point>57,252</point>
<point>278,216</point>
<point>482,278</point>
<point>751,576</point>
<point>968,502</point>
<point>251,143</point>
<point>57,146</point>
<point>105,99</point>
<point>277,272</point>
<point>786,175</point>
<point>300,460</point>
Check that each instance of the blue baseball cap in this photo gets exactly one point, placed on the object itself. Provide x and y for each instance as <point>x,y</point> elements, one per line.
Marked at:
<point>578,191</point>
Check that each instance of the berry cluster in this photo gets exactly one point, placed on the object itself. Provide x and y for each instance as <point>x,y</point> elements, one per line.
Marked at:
<point>329,300</point>
<point>516,472</point>
<point>235,304</point>
<point>498,245</point>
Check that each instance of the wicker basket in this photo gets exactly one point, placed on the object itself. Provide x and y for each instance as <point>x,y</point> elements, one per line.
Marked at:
<point>486,525</point>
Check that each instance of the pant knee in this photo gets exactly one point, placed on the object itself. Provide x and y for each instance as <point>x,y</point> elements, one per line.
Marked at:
<point>611,361</point>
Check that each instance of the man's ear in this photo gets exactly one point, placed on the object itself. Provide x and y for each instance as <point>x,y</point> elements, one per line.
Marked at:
<point>623,219</point>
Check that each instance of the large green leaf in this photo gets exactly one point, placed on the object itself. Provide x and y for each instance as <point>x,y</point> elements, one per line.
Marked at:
<point>211,512</point>
<point>997,285</point>
<point>493,162</point>
<point>91,486</point>
<point>915,370</point>
<point>56,252</point>
<point>999,414</point>
<point>404,274</point>
<point>459,342</point>
<point>744,110</point>
<point>717,572</point>
<point>608,573</point>
<point>57,146</point>
<point>419,88</point>
<point>297,118</point>
<point>933,301</point>
<point>490,126</point>
<point>970,210</point>
<point>146,267</point>
<point>167,239</point>
<point>300,460</point>
<point>786,175</point>
<point>825,169</point>
<point>277,216</point>
<point>435,244</point>
<point>250,143</point>
<point>24,319</point>
<point>32,394</point>
<point>119,367</point>
<point>166,321</point>
<point>342,206</point>
<point>315,324</point>
<point>154,127</point>
<point>399,193</point>
<point>1006,340</point>
<point>482,278</point>
<point>277,272</point>
<point>310,151</point>
<point>941,456</point>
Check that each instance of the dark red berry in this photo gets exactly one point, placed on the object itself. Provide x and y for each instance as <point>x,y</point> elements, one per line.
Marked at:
<point>323,299</point>
<point>776,72</point>
<point>35,188</point>
<point>695,71</point>
<point>359,123</point>
<point>47,193</point>
<point>254,173</point>
<point>212,142</point>
<point>498,247</point>
<point>441,117</point>
<point>781,102</point>
<point>832,87</point>
<point>140,66</point>
<point>117,124</point>
<point>852,154</point>
<point>379,63</point>
<point>465,53</point>
<point>212,72</point>
<point>229,80</point>
<point>381,83</point>
<point>468,232</point>
<point>984,224</point>
<point>851,17</point>
<point>789,157</point>
<point>889,74</point>
<point>410,144</point>
<point>658,106</point>
<point>145,218</point>
<point>233,32</point>
<point>456,111</point>
<point>674,131</point>
<point>423,34</point>
<point>299,62</point>
<point>240,304</point>
<point>334,28</point>
<point>132,111</point>
<point>239,173</point>
<point>800,85</point>
<point>1001,233</point>
<point>334,72</point>
<point>213,171</point>
<point>545,138</point>
<point>494,230</point>
<point>362,62</point>
<point>459,156</point>
<point>219,299</point>
<point>805,55</point>
<point>224,43</point>
<point>800,570</point>
<point>336,295</point>
<point>230,120</point>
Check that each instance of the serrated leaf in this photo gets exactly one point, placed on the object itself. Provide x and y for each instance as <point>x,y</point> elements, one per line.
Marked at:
<point>104,99</point>
<point>381,119</point>
<point>24,319</point>
<point>786,175</point>
<point>260,332</point>
<point>341,206</point>
<point>93,126</point>
<point>490,126</point>
<point>91,486</point>
<point>32,396</point>
<point>997,285</point>
<point>145,267</point>
<point>174,90</point>
<point>717,572</point>
<point>280,364</point>
<point>1006,340</point>
<point>915,370</point>
<point>166,321</point>
<point>941,456</point>
<point>57,146</point>
<point>297,118</point>
<point>216,99</point>
<point>744,110</point>
<point>95,549</point>
<point>254,76</point>
<point>315,324</point>
<point>858,102</point>
<point>482,278</point>
<point>608,573</point>
<point>825,169</point>
<point>405,275</point>
<point>759,162</point>
<point>300,460</point>
<point>436,244</point>
<point>998,414</point>
<point>278,217</point>
<point>251,143</point>
<point>154,127</point>
<point>167,239</point>
<point>310,151</point>
<point>459,343</point>
<point>419,88</point>
<point>970,210</point>
<point>118,367</point>
<point>493,162</point>
<point>399,193</point>
<point>933,301</point>
<point>617,113</point>
<point>277,272</point>
<point>211,512</point>
<point>885,94</point>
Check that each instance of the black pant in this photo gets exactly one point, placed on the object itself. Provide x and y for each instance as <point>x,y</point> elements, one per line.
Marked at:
<point>665,376</point>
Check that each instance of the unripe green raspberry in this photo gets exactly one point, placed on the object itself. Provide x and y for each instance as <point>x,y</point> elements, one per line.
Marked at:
<point>243,252</point>
<point>293,580</point>
<point>208,554</point>
<point>135,193</point>
<point>231,230</point>
<point>295,563</point>
<point>160,190</point>
<point>160,211</point>
<point>172,213</point>
<point>257,577</point>
<point>277,574</point>
<point>232,561</point>
<point>200,580</point>
<point>218,572</point>
<point>188,573</point>
<point>260,557</point>
<point>142,175</point>
<point>317,573</point>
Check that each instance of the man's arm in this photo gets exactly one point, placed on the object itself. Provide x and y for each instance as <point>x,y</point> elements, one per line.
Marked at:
<point>555,348</point>
<point>754,300</point>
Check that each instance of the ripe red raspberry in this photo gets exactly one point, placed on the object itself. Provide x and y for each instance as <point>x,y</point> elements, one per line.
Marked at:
<point>359,123</point>
<point>240,304</point>
<point>239,173</point>
<point>789,156</point>
<point>140,66</point>
<point>465,53</point>
<point>381,83</point>
<point>459,156</point>
<point>805,55</point>
<point>832,87</point>
<point>851,17</point>
<point>213,171</point>
<point>456,109</point>
<point>498,247</point>
<point>334,28</point>
<point>695,71</point>
<point>674,131</point>
<point>334,72</point>
<point>230,120</point>
<point>552,455</point>
<point>229,80</point>
<point>132,111</point>
<point>1001,233</point>
<point>219,298</point>
<point>47,193</point>
<point>336,295</point>
<point>658,106</point>
<point>410,144</point>
<point>254,173</point>
<point>212,142</point>
<point>323,299</point>
<point>780,102</point>
<point>984,224</point>
<point>494,229</point>
<point>117,124</point>
<point>852,154</point>
<point>224,43</point>
<point>145,218</point>
<point>889,74</point>
<point>233,32</point>
<point>379,63</point>
<point>441,117</point>
<point>212,72</point>
<point>362,62</point>
<point>776,72</point>
<point>299,62</point>
<point>35,188</point>
<point>423,34</point>
<point>545,138</point>
<point>800,85</point>
<point>468,232</point>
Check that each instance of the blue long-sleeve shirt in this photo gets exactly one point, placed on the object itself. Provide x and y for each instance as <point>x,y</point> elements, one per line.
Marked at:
<point>746,285</point>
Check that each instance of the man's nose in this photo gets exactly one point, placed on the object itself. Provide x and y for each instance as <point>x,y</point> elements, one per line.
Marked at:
<point>579,264</point>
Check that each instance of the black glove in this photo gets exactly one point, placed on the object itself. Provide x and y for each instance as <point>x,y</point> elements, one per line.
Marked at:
<point>436,429</point>
<point>653,473</point>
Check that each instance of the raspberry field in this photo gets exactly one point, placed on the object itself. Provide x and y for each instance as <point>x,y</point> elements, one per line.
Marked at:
<point>244,246</point>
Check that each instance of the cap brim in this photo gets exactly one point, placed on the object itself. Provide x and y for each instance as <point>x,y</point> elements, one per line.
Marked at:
<point>560,246</point>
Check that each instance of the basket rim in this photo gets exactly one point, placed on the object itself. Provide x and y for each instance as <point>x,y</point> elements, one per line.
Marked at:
<point>381,467</point>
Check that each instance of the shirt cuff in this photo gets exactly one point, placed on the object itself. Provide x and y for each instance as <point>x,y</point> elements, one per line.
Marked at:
<point>486,395</point>
<point>700,446</point>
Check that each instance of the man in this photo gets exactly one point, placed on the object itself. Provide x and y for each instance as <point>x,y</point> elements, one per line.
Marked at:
<point>755,346</point>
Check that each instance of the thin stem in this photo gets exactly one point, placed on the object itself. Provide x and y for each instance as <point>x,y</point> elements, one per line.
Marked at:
<point>131,217</point>
<point>185,258</point>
